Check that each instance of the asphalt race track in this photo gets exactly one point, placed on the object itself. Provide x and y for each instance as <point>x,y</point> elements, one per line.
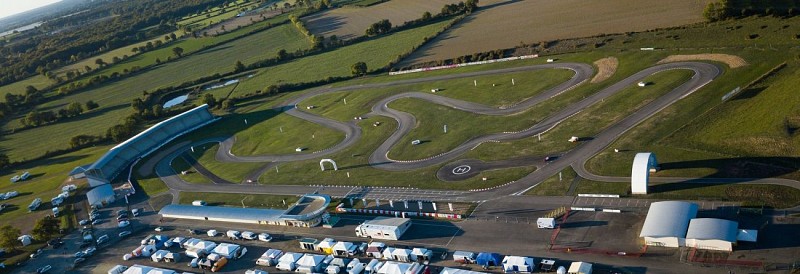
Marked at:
<point>704,73</point>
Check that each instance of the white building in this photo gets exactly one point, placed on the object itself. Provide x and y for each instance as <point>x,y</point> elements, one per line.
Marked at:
<point>308,211</point>
<point>383,228</point>
<point>518,264</point>
<point>230,251</point>
<point>310,263</point>
<point>667,222</point>
<point>288,262</point>
<point>712,234</point>
<point>580,268</point>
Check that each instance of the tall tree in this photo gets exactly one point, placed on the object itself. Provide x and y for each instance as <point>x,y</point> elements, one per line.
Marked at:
<point>178,51</point>
<point>45,228</point>
<point>8,237</point>
<point>4,161</point>
<point>239,66</point>
<point>209,100</point>
<point>358,69</point>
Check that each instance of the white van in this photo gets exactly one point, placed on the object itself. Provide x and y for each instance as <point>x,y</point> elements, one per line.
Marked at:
<point>212,233</point>
<point>199,203</point>
<point>234,235</point>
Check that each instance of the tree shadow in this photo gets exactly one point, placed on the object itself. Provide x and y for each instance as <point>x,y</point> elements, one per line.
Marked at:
<point>749,93</point>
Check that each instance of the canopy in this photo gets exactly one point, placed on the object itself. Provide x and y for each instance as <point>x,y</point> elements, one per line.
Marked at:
<point>489,259</point>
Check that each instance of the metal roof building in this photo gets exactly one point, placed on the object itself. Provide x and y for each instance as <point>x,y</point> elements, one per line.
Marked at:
<point>667,222</point>
<point>711,233</point>
<point>117,158</point>
<point>643,164</point>
<point>307,212</point>
<point>100,196</point>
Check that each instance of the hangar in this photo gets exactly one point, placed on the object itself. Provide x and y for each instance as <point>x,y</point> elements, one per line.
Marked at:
<point>666,223</point>
<point>100,196</point>
<point>712,234</point>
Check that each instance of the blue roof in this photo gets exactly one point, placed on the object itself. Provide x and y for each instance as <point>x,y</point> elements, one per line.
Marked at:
<point>120,156</point>
<point>485,258</point>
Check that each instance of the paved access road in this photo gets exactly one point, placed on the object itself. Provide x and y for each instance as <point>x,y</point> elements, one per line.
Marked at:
<point>704,73</point>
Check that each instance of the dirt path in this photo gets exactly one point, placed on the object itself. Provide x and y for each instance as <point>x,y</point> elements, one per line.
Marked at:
<point>605,69</point>
<point>732,61</point>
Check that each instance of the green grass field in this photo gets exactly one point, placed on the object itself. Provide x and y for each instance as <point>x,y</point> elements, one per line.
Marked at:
<point>215,14</point>
<point>38,81</point>
<point>553,186</point>
<point>236,199</point>
<point>337,62</point>
<point>232,172</point>
<point>115,98</point>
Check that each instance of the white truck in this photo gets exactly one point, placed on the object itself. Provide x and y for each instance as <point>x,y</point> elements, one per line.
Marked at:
<point>383,228</point>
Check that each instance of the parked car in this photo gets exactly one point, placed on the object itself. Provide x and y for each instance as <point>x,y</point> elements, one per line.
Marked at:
<point>247,235</point>
<point>264,237</point>
<point>85,244</point>
<point>124,233</point>
<point>80,254</point>
<point>159,229</point>
<point>55,243</point>
<point>135,212</point>
<point>122,217</point>
<point>121,212</point>
<point>83,222</point>
<point>123,224</point>
<point>102,239</point>
<point>78,260</point>
<point>36,253</point>
<point>213,233</point>
<point>90,251</point>
<point>97,222</point>
<point>44,269</point>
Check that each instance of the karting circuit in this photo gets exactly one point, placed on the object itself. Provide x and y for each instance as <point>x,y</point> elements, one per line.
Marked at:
<point>454,169</point>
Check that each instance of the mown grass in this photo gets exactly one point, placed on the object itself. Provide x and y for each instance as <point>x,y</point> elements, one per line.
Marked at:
<point>237,199</point>
<point>179,165</point>
<point>232,172</point>
<point>337,62</point>
<point>553,186</point>
<point>115,98</point>
<point>38,81</point>
<point>282,134</point>
<point>213,12</point>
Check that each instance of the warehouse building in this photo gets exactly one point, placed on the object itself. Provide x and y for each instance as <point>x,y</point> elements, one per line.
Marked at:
<point>712,234</point>
<point>308,211</point>
<point>667,222</point>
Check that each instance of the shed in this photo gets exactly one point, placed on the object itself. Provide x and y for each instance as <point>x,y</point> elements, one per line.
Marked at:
<point>667,222</point>
<point>25,239</point>
<point>308,243</point>
<point>401,255</point>
<point>712,234</point>
<point>345,249</point>
<point>466,257</point>
<point>374,249</point>
<point>489,259</point>
<point>421,254</point>
<point>310,263</point>
<point>518,264</point>
<point>326,246</point>
<point>580,268</point>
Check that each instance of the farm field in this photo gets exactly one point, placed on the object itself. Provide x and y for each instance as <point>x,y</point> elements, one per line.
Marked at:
<point>115,98</point>
<point>38,81</point>
<point>216,15</point>
<point>337,62</point>
<point>351,22</point>
<point>502,24</point>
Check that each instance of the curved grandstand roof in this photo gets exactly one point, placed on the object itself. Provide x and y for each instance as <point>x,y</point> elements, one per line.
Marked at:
<point>668,219</point>
<point>118,157</point>
<point>712,229</point>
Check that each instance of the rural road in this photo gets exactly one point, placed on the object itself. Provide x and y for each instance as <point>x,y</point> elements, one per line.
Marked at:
<point>704,73</point>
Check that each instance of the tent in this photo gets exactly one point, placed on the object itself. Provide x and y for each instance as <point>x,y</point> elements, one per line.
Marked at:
<point>255,271</point>
<point>161,271</point>
<point>287,262</point>
<point>138,269</point>
<point>421,254</point>
<point>340,262</point>
<point>345,249</point>
<point>517,264</point>
<point>401,255</point>
<point>374,249</point>
<point>326,246</point>
<point>465,257</point>
<point>310,263</point>
<point>25,239</point>
<point>580,268</point>
<point>448,270</point>
<point>227,250</point>
<point>158,256</point>
<point>270,257</point>
<point>387,253</point>
<point>394,268</point>
<point>489,259</point>
<point>172,257</point>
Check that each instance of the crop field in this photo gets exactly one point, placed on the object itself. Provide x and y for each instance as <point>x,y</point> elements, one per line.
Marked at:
<point>242,21</point>
<point>337,62</point>
<point>38,81</point>
<point>115,98</point>
<point>216,15</point>
<point>351,22</point>
<point>502,24</point>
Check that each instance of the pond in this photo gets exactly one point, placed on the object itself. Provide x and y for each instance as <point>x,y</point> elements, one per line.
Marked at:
<point>175,101</point>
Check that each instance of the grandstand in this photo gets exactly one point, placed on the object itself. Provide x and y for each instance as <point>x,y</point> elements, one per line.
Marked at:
<point>119,157</point>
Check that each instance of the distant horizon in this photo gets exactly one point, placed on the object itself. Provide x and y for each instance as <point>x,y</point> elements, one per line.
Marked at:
<point>14,7</point>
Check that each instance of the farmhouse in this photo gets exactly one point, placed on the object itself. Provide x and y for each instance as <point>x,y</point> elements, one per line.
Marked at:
<point>307,212</point>
<point>666,223</point>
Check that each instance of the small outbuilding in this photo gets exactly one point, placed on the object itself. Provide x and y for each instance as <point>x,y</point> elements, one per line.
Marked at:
<point>308,243</point>
<point>25,239</point>
<point>449,270</point>
<point>270,257</point>
<point>158,256</point>
<point>518,264</point>
<point>487,259</point>
<point>387,253</point>
<point>712,234</point>
<point>326,246</point>
<point>667,222</point>
<point>172,257</point>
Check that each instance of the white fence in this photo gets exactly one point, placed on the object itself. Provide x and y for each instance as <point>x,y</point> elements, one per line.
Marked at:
<point>463,64</point>
<point>599,195</point>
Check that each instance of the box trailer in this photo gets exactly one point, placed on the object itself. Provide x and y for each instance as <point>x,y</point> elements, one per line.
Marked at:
<point>383,228</point>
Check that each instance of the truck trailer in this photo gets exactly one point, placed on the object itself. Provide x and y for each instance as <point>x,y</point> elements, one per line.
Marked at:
<point>383,228</point>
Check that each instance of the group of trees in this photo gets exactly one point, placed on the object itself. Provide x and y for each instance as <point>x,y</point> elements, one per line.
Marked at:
<point>43,230</point>
<point>724,9</point>
<point>37,118</point>
<point>378,28</point>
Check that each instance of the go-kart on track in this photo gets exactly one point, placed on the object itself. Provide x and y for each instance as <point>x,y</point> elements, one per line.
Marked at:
<point>577,157</point>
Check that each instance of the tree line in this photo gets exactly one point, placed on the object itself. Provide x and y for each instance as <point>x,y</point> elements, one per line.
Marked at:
<point>725,9</point>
